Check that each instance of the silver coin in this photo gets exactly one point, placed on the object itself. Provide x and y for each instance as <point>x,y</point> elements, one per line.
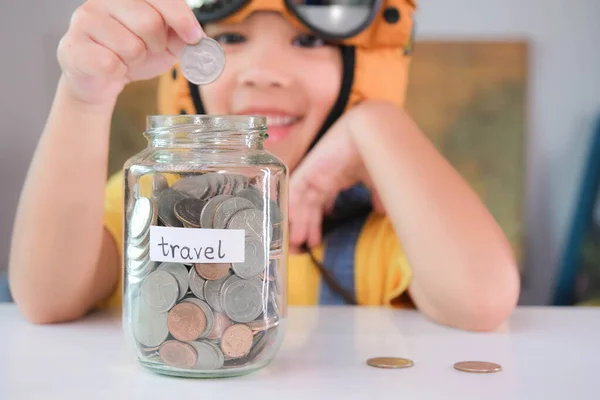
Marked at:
<point>256,197</point>
<point>141,217</point>
<point>159,183</point>
<point>241,183</point>
<point>166,206</point>
<point>149,328</point>
<point>180,272</point>
<point>204,62</point>
<point>212,293</point>
<point>194,186</point>
<point>219,183</point>
<point>160,291</point>
<point>196,283</point>
<point>228,208</point>
<point>137,252</point>
<point>219,353</point>
<point>250,221</point>
<point>242,301</point>
<point>227,187</point>
<point>255,261</point>
<point>208,212</point>
<point>208,313</point>
<point>207,359</point>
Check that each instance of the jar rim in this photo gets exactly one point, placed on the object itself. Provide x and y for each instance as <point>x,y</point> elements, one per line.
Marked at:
<point>211,121</point>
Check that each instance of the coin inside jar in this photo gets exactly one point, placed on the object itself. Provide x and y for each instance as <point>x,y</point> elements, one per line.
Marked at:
<point>186,321</point>
<point>237,341</point>
<point>390,362</point>
<point>221,324</point>
<point>160,291</point>
<point>212,272</point>
<point>477,367</point>
<point>177,354</point>
<point>188,212</point>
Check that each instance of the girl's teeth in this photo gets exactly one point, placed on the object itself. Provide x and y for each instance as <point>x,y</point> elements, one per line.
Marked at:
<point>279,120</point>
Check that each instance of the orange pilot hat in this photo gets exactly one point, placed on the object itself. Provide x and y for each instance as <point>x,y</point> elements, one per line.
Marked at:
<point>376,47</point>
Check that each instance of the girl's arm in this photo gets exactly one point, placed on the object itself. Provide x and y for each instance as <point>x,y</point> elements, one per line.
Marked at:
<point>464,273</point>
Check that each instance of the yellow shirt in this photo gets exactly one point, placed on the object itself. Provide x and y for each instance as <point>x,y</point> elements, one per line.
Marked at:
<point>381,270</point>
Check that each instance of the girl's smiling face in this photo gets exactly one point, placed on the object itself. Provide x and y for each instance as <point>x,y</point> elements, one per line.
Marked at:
<point>272,69</point>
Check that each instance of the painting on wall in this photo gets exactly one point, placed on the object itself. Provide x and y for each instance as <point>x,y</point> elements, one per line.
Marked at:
<point>468,97</point>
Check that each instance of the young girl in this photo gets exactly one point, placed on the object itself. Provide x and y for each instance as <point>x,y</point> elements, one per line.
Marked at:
<point>377,215</point>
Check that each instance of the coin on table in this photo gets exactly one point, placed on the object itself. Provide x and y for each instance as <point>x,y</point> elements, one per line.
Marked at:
<point>141,217</point>
<point>208,213</point>
<point>228,208</point>
<point>196,283</point>
<point>178,354</point>
<point>207,357</point>
<point>160,291</point>
<point>250,221</point>
<point>212,272</point>
<point>186,321</point>
<point>166,206</point>
<point>204,62</point>
<point>222,322</point>
<point>242,300</point>
<point>477,366</point>
<point>212,293</point>
<point>208,313</point>
<point>255,261</point>
<point>149,328</point>
<point>188,212</point>
<point>237,341</point>
<point>180,272</point>
<point>390,362</point>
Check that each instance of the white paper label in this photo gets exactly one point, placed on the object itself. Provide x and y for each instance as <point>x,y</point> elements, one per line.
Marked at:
<point>189,245</point>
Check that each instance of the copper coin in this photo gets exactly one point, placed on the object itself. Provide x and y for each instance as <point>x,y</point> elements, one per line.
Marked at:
<point>186,321</point>
<point>237,341</point>
<point>212,272</point>
<point>480,367</point>
<point>221,324</point>
<point>177,354</point>
<point>390,362</point>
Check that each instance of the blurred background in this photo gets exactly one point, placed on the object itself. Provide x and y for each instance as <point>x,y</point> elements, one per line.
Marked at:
<point>508,90</point>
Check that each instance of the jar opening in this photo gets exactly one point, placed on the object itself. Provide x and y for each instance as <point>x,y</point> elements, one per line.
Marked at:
<point>205,129</point>
<point>208,123</point>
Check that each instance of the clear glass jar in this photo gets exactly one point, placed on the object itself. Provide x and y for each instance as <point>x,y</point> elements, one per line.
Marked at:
<point>205,233</point>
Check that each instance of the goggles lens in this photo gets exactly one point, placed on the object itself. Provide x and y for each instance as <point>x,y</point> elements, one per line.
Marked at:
<point>335,18</point>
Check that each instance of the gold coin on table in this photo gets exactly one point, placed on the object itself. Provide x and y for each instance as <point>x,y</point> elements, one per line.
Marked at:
<point>390,362</point>
<point>480,367</point>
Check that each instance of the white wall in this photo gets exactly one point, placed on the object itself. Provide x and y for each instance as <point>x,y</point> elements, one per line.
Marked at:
<point>564,99</point>
<point>564,102</point>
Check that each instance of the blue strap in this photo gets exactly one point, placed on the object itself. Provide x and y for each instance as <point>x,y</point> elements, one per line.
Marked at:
<point>345,223</point>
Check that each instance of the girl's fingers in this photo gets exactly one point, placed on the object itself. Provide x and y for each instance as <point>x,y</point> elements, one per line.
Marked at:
<point>90,59</point>
<point>179,16</point>
<point>144,21</point>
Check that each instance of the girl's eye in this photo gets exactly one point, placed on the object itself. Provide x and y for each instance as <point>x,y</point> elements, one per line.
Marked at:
<point>308,40</point>
<point>230,38</point>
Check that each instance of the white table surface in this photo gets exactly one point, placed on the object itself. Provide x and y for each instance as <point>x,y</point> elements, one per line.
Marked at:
<point>546,353</point>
